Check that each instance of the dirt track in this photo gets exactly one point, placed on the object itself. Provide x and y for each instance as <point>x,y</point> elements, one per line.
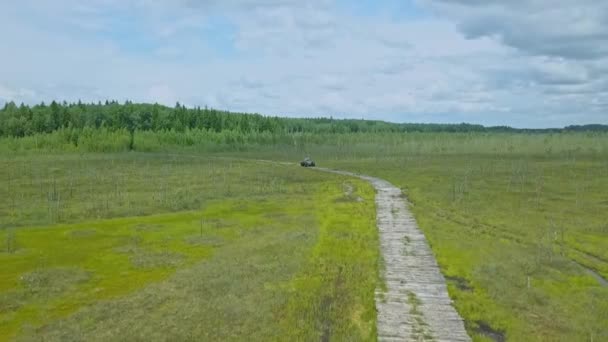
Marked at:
<point>415,305</point>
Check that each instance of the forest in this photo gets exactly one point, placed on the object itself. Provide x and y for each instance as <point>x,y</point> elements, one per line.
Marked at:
<point>23,120</point>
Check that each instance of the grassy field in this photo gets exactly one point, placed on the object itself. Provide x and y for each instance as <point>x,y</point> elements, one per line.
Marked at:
<point>518,223</point>
<point>157,247</point>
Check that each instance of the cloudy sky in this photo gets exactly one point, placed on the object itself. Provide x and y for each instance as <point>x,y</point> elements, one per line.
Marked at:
<point>524,63</point>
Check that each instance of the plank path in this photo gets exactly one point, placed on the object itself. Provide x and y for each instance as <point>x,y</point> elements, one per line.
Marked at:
<point>414,305</point>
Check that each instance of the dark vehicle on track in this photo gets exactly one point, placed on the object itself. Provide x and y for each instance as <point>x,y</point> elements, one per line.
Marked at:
<point>307,162</point>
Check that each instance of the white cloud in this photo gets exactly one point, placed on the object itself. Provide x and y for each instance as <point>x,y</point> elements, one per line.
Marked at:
<point>490,62</point>
<point>161,93</point>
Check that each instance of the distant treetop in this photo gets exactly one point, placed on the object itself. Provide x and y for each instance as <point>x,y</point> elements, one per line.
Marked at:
<point>26,120</point>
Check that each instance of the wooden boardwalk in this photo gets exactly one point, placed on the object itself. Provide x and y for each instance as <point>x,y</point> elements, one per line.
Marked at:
<point>415,305</point>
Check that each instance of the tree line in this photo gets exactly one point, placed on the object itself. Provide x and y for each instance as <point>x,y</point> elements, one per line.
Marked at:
<point>23,120</point>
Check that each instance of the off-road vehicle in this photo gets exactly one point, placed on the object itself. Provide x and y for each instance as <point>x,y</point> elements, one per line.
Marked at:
<point>307,162</point>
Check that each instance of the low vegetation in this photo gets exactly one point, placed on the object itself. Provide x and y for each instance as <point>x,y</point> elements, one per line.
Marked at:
<point>241,251</point>
<point>516,219</point>
<point>518,225</point>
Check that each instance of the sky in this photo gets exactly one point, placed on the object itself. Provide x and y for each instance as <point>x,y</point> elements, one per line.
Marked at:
<point>522,63</point>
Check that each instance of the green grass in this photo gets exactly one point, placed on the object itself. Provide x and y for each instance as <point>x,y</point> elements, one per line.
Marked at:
<point>497,221</point>
<point>258,253</point>
<point>40,189</point>
<point>517,222</point>
<point>58,269</point>
<point>69,188</point>
<point>333,296</point>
